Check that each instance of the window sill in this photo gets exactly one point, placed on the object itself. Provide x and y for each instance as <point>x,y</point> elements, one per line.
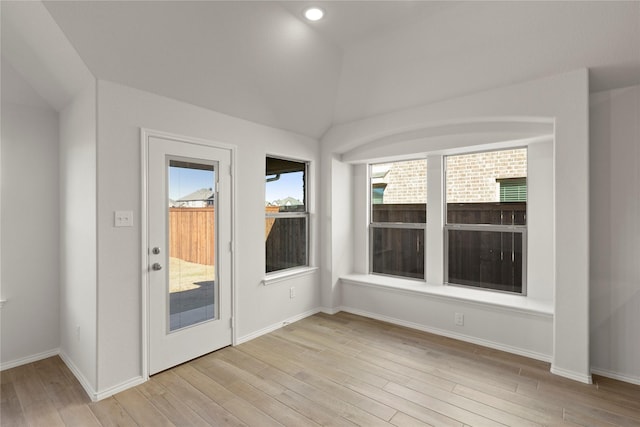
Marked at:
<point>503,301</point>
<point>288,274</point>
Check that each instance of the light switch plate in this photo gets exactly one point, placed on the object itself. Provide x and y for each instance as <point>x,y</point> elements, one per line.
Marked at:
<point>123,219</point>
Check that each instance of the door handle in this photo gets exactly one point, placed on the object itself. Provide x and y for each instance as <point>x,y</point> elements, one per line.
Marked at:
<point>156,266</point>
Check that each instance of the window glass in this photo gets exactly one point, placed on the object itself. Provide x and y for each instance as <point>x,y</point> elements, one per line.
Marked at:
<point>285,185</point>
<point>286,243</point>
<point>486,205</point>
<point>286,215</point>
<point>475,183</point>
<point>398,218</point>
<point>485,259</point>
<point>398,252</point>
<point>399,192</point>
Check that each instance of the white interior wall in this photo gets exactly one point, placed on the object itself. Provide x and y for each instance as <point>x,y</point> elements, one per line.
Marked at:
<point>563,99</point>
<point>529,334</point>
<point>615,233</point>
<point>29,224</point>
<point>339,248</point>
<point>122,112</point>
<point>78,244</point>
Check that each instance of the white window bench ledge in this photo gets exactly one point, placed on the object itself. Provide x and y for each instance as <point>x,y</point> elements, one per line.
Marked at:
<point>287,275</point>
<point>503,301</point>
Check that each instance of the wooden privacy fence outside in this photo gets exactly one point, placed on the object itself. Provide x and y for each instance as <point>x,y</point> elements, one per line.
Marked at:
<point>191,234</point>
<point>487,256</point>
<point>285,241</point>
<point>191,237</point>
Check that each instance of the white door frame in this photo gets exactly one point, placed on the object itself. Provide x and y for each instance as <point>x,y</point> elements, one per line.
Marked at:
<point>145,134</point>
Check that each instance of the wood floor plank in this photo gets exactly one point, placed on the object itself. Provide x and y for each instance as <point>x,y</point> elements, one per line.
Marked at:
<point>78,416</point>
<point>403,420</point>
<point>479,408</point>
<point>223,366</point>
<point>334,370</point>
<point>312,410</point>
<point>528,409</point>
<point>242,410</point>
<point>241,360</point>
<point>172,407</point>
<point>10,408</point>
<point>366,404</point>
<point>62,390</point>
<point>360,369</point>
<point>36,406</point>
<point>585,420</point>
<point>141,409</point>
<point>270,406</point>
<point>109,413</point>
<point>429,365</point>
<point>581,399</point>
<point>442,407</point>
<point>344,409</point>
<point>207,409</point>
<point>412,409</point>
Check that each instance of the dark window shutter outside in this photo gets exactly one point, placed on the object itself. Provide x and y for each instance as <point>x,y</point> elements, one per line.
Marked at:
<point>513,190</point>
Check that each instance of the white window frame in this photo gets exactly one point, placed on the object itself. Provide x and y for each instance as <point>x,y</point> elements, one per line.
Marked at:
<point>397,225</point>
<point>305,214</point>
<point>521,229</point>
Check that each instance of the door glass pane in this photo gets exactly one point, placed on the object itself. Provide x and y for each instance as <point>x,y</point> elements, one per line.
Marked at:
<point>192,290</point>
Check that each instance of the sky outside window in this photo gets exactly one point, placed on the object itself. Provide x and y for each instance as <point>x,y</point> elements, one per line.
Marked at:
<point>184,181</point>
<point>289,185</point>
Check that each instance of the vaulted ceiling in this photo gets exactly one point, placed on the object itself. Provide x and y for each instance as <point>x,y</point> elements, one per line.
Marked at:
<point>263,62</point>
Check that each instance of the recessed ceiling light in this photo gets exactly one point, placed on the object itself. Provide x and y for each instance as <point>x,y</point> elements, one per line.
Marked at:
<point>314,14</point>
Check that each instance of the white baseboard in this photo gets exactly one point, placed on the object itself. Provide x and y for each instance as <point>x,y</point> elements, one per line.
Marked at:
<point>86,385</point>
<point>118,388</point>
<point>330,311</point>
<point>572,375</point>
<point>466,338</point>
<point>88,388</point>
<point>29,359</point>
<point>275,326</point>
<point>616,376</point>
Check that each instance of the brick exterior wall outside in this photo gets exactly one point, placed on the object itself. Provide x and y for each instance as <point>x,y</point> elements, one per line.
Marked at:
<point>406,182</point>
<point>470,177</point>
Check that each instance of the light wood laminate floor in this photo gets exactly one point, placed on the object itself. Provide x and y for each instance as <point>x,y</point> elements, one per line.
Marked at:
<point>340,370</point>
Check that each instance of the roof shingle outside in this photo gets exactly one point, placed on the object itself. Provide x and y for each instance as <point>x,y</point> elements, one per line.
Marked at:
<point>202,194</point>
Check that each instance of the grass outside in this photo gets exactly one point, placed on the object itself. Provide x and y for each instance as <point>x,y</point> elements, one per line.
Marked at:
<point>185,276</point>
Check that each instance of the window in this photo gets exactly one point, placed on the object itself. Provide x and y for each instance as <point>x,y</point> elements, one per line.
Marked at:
<point>486,213</point>
<point>287,215</point>
<point>398,194</point>
<point>513,189</point>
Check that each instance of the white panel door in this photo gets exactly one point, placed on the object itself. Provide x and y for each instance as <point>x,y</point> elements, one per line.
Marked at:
<point>189,237</point>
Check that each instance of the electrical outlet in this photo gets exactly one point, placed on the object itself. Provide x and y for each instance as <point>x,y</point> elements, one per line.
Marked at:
<point>292,292</point>
<point>458,319</point>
